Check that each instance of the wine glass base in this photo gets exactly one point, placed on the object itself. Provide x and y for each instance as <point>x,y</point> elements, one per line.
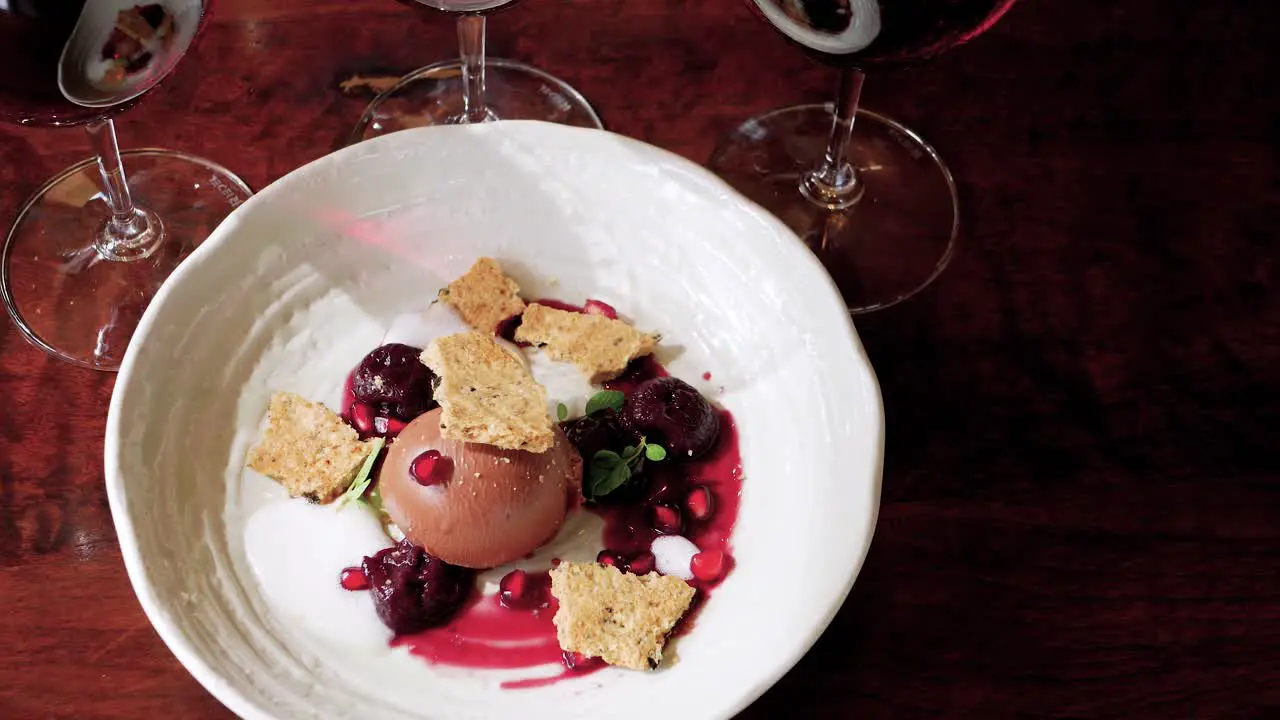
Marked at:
<point>888,246</point>
<point>513,91</point>
<point>65,297</point>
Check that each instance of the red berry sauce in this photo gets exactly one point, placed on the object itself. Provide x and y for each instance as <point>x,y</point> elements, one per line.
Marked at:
<point>512,629</point>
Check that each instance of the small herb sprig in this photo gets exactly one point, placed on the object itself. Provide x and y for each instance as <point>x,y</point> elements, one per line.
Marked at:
<point>606,400</point>
<point>609,470</point>
<point>361,481</point>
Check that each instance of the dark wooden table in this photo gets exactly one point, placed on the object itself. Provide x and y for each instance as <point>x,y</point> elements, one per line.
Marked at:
<point>1081,507</point>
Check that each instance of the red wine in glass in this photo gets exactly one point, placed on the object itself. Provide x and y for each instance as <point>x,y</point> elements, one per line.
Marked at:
<point>868,33</point>
<point>69,62</point>
<point>72,271</point>
<point>875,203</point>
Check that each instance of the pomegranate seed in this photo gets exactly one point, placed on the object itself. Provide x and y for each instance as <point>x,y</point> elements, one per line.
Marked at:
<point>362,418</point>
<point>353,579</point>
<point>607,558</point>
<point>555,562</point>
<point>519,590</point>
<point>642,564</point>
<point>706,376</point>
<point>700,503</point>
<point>511,589</point>
<point>578,662</point>
<point>428,468</point>
<point>595,307</point>
<point>708,565</point>
<point>665,519</point>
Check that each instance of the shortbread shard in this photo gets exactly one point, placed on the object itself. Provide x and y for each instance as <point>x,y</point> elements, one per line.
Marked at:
<point>485,297</point>
<point>487,395</point>
<point>599,346</point>
<point>621,618</point>
<point>308,449</point>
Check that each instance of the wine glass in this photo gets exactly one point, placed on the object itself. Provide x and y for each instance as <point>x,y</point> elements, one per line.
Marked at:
<point>872,199</point>
<point>473,89</point>
<point>90,248</point>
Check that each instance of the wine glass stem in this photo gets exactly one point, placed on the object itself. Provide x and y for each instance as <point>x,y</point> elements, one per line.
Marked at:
<point>471,53</point>
<point>835,183</point>
<point>130,233</point>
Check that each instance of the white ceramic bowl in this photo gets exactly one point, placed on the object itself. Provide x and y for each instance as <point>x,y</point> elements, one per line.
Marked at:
<point>305,277</point>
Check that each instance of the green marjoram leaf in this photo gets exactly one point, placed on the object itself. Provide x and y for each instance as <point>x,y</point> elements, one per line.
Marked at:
<point>605,399</point>
<point>361,481</point>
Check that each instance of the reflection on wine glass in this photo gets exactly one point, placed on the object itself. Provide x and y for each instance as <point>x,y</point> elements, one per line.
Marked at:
<point>473,89</point>
<point>90,248</point>
<point>872,199</point>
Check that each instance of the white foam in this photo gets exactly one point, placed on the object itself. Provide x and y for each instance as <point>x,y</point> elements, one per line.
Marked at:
<point>420,328</point>
<point>673,555</point>
<point>564,382</point>
<point>298,550</point>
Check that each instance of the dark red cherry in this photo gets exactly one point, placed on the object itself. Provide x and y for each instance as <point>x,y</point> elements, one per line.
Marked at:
<point>601,430</point>
<point>413,590</point>
<point>394,382</point>
<point>670,412</point>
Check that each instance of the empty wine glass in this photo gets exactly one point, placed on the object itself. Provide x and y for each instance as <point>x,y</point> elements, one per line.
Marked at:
<point>90,248</point>
<point>473,88</point>
<point>872,199</point>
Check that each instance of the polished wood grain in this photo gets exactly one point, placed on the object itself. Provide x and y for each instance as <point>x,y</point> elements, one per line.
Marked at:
<point>1081,503</point>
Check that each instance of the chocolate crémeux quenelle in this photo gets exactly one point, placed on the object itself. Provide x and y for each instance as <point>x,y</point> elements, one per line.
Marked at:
<point>476,505</point>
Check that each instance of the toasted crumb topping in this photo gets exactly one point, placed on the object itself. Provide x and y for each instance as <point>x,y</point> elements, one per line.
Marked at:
<point>308,449</point>
<point>488,396</point>
<point>621,618</point>
<point>484,296</point>
<point>599,346</point>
